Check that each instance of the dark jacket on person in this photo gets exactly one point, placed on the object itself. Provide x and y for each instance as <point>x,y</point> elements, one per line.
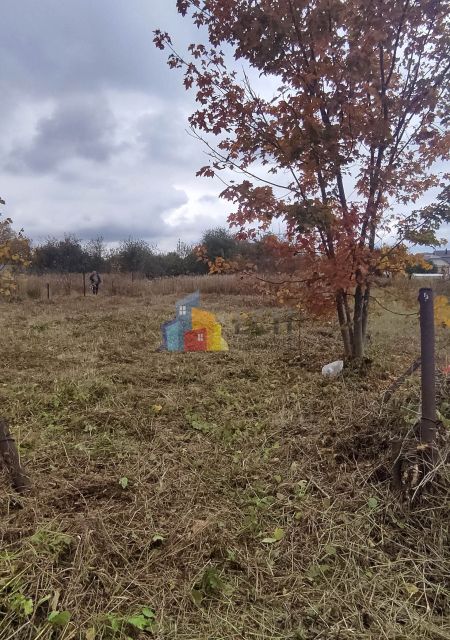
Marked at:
<point>95,278</point>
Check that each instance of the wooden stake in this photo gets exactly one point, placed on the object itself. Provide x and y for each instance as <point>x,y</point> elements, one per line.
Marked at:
<point>10,458</point>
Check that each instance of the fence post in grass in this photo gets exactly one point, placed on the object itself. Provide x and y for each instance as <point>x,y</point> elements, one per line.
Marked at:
<point>415,461</point>
<point>48,290</point>
<point>10,457</point>
<point>237,326</point>
<point>427,425</point>
<point>84,283</point>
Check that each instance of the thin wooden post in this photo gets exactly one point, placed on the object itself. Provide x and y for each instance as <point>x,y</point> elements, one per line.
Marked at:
<point>48,290</point>
<point>84,283</point>
<point>10,457</point>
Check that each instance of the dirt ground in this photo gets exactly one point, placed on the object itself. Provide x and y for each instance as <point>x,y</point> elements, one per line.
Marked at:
<point>212,496</point>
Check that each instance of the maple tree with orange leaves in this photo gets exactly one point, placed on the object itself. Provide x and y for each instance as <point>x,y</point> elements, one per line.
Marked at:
<point>346,144</point>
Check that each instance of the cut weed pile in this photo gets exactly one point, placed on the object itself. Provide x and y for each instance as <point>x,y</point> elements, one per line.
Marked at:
<point>211,496</point>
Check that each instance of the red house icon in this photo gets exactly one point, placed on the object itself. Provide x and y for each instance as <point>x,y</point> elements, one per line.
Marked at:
<point>195,340</point>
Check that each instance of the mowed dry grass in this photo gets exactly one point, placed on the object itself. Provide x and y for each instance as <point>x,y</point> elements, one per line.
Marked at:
<point>221,452</point>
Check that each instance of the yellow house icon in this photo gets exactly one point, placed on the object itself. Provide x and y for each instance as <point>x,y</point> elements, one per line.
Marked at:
<point>206,320</point>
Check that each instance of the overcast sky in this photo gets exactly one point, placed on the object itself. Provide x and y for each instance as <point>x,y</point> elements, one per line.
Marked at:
<point>93,124</point>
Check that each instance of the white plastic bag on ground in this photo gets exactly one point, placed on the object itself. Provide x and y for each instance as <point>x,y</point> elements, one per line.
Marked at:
<point>333,369</point>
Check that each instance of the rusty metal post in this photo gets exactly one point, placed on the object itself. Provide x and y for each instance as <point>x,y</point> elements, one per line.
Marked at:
<point>427,426</point>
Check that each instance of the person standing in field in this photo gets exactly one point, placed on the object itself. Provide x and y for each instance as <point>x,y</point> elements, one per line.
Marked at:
<point>95,282</point>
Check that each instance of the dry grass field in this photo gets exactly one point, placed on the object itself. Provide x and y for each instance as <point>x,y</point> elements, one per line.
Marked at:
<point>212,496</point>
<point>52,285</point>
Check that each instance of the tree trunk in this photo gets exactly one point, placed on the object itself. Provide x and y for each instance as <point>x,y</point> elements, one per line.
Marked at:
<point>354,332</point>
<point>365,312</point>
<point>344,324</point>
<point>358,324</point>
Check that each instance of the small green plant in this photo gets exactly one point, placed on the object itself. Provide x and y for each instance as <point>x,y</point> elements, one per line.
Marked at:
<point>21,605</point>
<point>197,423</point>
<point>262,503</point>
<point>301,489</point>
<point>142,620</point>
<point>123,482</point>
<point>277,535</point>
<point>210,584</point>
<point>51,542</point>
<point>211,581</point>
<point>255,507</point>
<point>59,618</point>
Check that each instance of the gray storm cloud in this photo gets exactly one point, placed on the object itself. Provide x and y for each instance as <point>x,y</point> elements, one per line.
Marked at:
<point>76,129</point>
<point>52,47</point>
<point>93,124</point>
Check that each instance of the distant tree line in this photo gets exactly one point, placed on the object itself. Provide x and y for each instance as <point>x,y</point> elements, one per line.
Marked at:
<point>71,255</point>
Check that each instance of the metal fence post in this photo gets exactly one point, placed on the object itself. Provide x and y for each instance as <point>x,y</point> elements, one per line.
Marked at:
<point>48,291</point>
<point>413,468</point>
<point>84,283</point>
<point>427,426</point>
